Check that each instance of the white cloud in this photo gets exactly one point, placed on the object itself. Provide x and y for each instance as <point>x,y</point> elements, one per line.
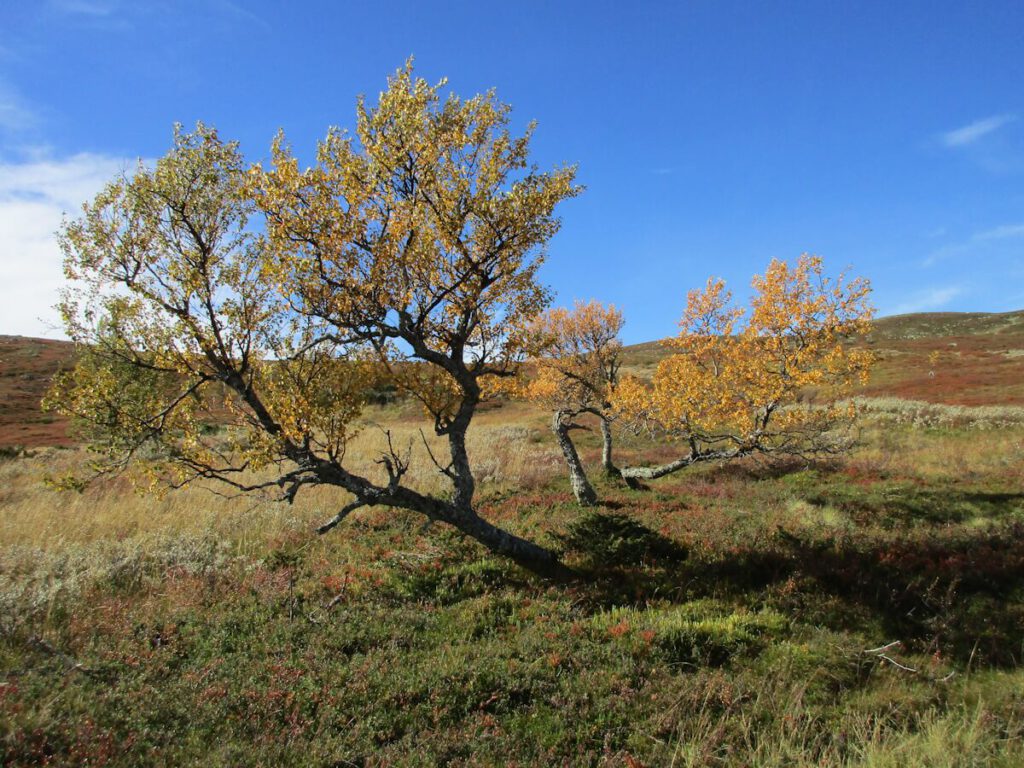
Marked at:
<point>120,15</point>
<point>969,134</point>
<point>34,196</point>
<point>978,245</point>
<point>230,8</point>
<point>84,7</point>
<point>1001,232</point>
<point>14,115</point>
<point>927,300</point>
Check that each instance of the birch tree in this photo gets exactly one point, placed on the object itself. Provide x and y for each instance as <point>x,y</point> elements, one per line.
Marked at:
<point>765,380</point>
<point>576,356</point>
<point>265,300</point>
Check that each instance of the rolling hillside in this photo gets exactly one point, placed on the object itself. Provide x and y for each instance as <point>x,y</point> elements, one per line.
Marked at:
<point>26,368</point>
<point>959,358</point>
<point>946,357</point>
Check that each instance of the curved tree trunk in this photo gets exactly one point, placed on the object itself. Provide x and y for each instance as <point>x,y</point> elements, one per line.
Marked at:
<point>606,449</point>
<point>653,473</point>
<point>581,487</point>
<point>461,514</point>
<point>457,512</point>
<point>526,553</point>
<point>632,475</point>
<point>460,472</point>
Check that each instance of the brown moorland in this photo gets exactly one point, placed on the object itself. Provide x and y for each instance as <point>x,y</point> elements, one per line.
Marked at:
<point>952,358</point>
<point>864,610</point>
<point>27,367</point>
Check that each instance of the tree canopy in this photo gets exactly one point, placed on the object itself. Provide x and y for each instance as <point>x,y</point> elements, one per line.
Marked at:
<point>234,319</point>
<point>764,380</point>
<point>266,300</point>
<point>576,352</point>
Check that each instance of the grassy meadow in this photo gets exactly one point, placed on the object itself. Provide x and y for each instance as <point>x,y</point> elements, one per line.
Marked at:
<point>868,611</point>
<point>865,611</point>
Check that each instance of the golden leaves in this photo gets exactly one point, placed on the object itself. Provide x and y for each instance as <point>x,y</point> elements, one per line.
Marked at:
<point>172,308</point>
<point>416,239</point>
<point>411,246</point>
<point>428,227</point>
<point>575,355</point>
<point>758,380</point>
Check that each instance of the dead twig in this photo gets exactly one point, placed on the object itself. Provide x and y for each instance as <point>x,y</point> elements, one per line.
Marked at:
<point>316,616</point>
<point>883,648</point>
<point>880,653</point>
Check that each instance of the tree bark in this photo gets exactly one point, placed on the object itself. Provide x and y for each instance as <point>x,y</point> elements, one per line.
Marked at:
<point>463,482</point>
<point>653,473</point>
<point>606,449</point>
<point>463,516</point>
<point>581,487</point>
<point>533,557</point>
<point>633,475</point>
<point>526,553</point>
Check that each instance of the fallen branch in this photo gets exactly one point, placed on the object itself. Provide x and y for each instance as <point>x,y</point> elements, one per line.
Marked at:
<point>348,509</point>
<point>883,648</point>
<point>880,653</point>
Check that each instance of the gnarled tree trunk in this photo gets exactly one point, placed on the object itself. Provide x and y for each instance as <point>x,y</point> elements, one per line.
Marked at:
<point>462,516</point>
<point>581,487</point>
<point>653,473</point>
<point>633,475</point>
<point>529,555</point>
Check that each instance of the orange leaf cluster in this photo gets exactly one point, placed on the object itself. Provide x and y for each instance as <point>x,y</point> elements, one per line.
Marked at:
<point>765,377</point>
<point>576,355</point>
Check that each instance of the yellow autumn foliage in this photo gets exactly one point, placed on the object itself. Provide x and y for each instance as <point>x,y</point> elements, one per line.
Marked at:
<point>427,226</point>
<point>575,354</point>
<point>765,377</point>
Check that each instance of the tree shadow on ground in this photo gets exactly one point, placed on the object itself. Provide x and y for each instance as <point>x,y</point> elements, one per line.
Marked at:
<point>771,467</point>
<point>605,541</point>
<point>950,592</point>
<point>896,504</point>
<point>955,593</point>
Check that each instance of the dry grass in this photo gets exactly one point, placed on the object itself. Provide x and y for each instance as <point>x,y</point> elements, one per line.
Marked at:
<point>506,457</point>
<point>896,437</point>
<point>917,413</point>
<point>55,545</point>
<point>965,453</point>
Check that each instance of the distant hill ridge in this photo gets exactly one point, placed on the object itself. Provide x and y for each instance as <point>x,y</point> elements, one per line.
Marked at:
<point>27,366</point>
<point>981,362</point>
<point>925,324</point>
<point>932,324</point>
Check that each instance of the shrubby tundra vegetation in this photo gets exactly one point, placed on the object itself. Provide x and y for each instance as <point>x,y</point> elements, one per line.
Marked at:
<point>803,543</point>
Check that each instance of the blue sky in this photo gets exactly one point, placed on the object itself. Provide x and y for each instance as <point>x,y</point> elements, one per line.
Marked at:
<point>712,136</point>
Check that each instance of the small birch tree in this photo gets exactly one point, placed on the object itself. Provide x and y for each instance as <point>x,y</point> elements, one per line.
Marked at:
<point>767,380</point>
<point>576,357</point>
<point>414,244</point>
